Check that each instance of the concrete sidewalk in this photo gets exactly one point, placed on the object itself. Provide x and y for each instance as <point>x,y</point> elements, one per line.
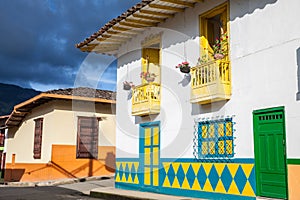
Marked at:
<point>57,182</point>
<point>118,194</point>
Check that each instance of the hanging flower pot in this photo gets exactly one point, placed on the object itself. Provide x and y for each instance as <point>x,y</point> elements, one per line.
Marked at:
<point>184,67</point>
<point>127,85</point>
<point>185,70</point>
<point>150,79</point>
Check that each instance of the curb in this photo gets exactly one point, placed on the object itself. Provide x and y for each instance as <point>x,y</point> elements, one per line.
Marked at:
<point>116,196</point>
<point>55,182</point>
<point>120,194</point>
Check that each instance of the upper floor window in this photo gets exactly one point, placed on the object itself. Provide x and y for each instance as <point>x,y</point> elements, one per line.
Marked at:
<point>38,132</point>
<point>150,71</point>
<point>87,137</point>
<point>213,33</point>
<point>215,139</point>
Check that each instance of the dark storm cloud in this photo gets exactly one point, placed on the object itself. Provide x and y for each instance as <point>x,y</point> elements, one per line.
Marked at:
<point>37,37</point>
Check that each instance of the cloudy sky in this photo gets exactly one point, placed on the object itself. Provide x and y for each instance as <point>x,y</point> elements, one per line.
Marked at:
<point>38,37</point>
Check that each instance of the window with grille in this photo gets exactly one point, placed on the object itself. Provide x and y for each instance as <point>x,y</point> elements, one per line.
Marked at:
<point>87,137</point>
<point>215,139</point>
<point>38,132</point>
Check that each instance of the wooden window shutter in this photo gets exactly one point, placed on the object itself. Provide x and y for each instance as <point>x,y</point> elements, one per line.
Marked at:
<point>2,137</point>
<point>38,131</point>
<point>87,137</point>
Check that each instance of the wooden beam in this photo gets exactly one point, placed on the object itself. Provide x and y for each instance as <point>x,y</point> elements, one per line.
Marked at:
<point>145,23</point>
<point>107,46</point>
<point>105,50</point>
<point>119,37</point>
<point>150,12</point>
<point>88,49</point>
<point>92,45</point>
<point>128,34</point>
<point>112,40</point>
<point>156,19</point>
<point>132,25</point>
<point>118,28</point>
<point>170,8</point>
<point>178,2</point>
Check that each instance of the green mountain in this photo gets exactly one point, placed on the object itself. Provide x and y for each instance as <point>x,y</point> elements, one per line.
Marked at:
<point>11,95</point>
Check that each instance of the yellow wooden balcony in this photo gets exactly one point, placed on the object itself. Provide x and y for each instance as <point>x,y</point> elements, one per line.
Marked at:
<point>211,82</point>
<point>146,99</point>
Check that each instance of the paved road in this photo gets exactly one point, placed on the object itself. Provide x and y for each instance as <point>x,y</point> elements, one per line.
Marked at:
<point>62,192</point>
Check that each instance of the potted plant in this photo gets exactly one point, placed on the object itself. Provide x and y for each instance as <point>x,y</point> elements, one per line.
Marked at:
<point>127,85</point>
<point>184,67</point>
<point>220,47</point>
<point>149,77</point>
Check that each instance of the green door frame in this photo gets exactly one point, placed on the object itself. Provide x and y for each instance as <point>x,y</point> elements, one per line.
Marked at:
<point>266,115</point>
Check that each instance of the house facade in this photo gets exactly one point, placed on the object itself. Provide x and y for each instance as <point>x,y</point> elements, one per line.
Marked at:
<point>224,127</point>
<point>2,145</point>
<point>66,133</point>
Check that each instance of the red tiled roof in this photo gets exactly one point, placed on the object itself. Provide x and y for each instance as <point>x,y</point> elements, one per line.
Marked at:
<point>114,21</point>
<point>148,13</point>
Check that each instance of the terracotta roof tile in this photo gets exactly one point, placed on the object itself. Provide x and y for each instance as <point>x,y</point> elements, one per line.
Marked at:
<point>114,21</point>
<point>85,92</point>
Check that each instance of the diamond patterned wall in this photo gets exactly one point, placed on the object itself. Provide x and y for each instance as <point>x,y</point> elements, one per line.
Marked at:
<point>226,178</point>
<point>127,172</point>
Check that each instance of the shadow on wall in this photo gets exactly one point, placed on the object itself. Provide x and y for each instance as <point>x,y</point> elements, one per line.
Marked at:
<point>13,175</point>
<point>110,162</point>
<point>244,7</point>
<point>298,74</point>
<point>63,166</point>
<point>207,108</point>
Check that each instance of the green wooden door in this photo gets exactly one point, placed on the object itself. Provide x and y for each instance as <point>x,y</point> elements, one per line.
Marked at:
<point>270,158</point>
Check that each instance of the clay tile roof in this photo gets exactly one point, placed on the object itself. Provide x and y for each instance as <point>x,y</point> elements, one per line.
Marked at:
<point>85,92</point>
<point>79,94</point>
<point>112,22</point>
<point>147,13</point>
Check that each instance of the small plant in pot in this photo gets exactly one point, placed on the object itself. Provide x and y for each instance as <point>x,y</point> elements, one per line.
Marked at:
<point>149,77</point>
<point>184,67</point>
<point>127,85</point>
<point>220,47</point>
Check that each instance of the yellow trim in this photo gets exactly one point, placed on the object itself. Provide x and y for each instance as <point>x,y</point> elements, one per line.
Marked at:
<point>203,32</point>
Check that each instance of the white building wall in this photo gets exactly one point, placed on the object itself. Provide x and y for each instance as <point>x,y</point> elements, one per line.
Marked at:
<point>263,44</point>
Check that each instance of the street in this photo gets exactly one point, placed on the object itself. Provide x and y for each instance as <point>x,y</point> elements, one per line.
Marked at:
<point>67,191</point>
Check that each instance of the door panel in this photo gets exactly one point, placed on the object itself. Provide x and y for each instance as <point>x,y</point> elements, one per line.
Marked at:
<point>150,153</point>
<point>270,160</point>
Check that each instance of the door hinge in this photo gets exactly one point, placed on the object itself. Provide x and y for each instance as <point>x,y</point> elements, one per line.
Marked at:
<point>283,142</point>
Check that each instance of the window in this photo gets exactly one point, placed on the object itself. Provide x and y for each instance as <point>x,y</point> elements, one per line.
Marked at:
<point>215,139</point>
<point>38,131</point>
<point>87,137</point>
<point>150,71</point>
<point>2,137</point>
<point>213,26</point>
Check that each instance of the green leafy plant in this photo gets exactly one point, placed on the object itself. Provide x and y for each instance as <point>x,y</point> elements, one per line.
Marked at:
<point>220,47</point>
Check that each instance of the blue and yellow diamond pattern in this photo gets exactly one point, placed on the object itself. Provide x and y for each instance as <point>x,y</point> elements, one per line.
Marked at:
<point>127,172</point>
<point>226,178</point>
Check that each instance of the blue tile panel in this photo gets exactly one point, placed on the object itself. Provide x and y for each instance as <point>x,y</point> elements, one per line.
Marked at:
<point>225,178</point>
<point>191,178</point>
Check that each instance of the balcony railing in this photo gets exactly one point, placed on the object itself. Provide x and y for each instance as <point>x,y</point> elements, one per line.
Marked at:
<point>146,99</point>
<point>211,82</point>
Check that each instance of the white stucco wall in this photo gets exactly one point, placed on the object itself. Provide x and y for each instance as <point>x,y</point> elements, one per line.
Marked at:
<point>264,38</point>
<point>59,127</point>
